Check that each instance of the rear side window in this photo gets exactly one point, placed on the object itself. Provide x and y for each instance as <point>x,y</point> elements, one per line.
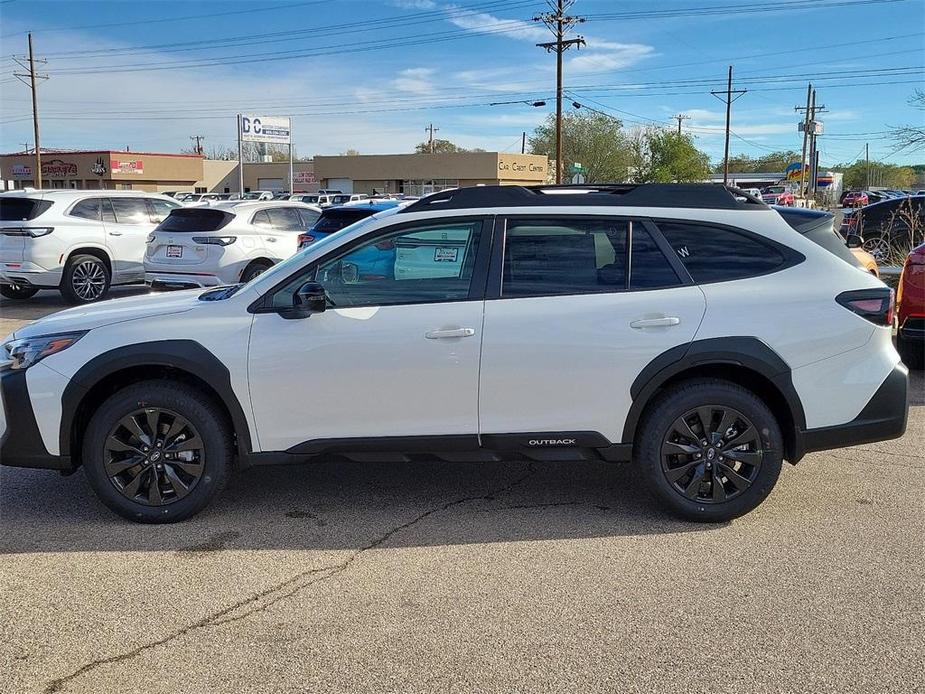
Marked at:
<point>564,256</point>
<point>261,219</point>
<point>160,209</point>
<point>717,254</point>
<point>309,217</point>
<point>650,268</point>
<point>87,209</point>
<point>184,220</point>
<point>130,210</point>
<point>21,209</point>
<point>285,219</point>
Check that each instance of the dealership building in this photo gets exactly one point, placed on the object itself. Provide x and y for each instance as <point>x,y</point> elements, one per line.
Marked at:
<point>412,174</point>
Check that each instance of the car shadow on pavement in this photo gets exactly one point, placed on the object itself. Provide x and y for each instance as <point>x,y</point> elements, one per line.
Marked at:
<point>340,505</point>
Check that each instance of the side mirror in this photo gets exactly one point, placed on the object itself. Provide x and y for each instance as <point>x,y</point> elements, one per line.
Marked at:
<point>854,241</point>
<point>310,298</point>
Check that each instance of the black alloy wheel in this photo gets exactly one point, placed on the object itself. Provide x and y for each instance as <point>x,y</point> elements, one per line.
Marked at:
<point>711,454</point>
<point>154,456</point>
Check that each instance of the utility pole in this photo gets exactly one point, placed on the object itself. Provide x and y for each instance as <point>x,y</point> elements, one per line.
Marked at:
<point>198,140</point>
<point>806,119</point>
<point>430,141</point>
<point>680,117</point>
<point>727,98</point>
<point>21,76</point>
<point>867,162</point>
<point>559,23</point>
<point>523,142</point>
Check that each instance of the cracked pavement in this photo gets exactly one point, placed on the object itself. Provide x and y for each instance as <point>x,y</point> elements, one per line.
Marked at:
<point>422,577</point>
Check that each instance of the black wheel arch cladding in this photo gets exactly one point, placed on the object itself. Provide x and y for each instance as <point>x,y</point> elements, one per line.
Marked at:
<point>744,352</point>
<point>186,356</point>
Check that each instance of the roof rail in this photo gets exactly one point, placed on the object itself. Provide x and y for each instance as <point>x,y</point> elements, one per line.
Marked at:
<point>691,195</point>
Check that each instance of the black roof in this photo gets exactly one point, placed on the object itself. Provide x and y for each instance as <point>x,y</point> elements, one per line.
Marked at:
<point>691,195</point>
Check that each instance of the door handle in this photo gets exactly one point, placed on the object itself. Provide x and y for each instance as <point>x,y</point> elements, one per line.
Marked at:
<point>271,239</point>
<point>452,332</point>
<point>115,233</point>
<point>663,322</point>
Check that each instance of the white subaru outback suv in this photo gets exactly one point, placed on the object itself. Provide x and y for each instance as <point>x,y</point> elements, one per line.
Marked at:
<point>226,243</point>
<point>684,328</point>
<point>77,241</point>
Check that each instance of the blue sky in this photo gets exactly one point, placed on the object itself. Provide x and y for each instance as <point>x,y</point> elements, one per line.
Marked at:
<point>372,75</point>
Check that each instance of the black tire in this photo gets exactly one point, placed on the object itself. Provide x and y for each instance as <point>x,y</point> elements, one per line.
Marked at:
<point>86,279</point>
<point>657,430</point>
<point>211,460</point>
<point>17,291</point>
<point>258,267</point>
<point>912,353</point>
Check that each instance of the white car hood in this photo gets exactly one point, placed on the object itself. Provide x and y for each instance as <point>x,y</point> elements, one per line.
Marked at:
<point>113,311</point>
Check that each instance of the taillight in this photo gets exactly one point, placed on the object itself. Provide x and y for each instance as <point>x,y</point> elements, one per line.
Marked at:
<point>875,305</point>
<point>305,239</point>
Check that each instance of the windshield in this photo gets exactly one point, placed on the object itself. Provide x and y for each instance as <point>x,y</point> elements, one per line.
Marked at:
<point>775,189</point>
<point>251,196</point>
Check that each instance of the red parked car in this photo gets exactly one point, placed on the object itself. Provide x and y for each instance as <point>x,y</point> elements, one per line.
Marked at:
<point>910,309</point>
<point>777,195</point>
<point>855,198</point>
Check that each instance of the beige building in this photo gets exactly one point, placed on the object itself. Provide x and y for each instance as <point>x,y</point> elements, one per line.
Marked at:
<point>414,174</point>
<point>420,174</point>
<point>106,169</point>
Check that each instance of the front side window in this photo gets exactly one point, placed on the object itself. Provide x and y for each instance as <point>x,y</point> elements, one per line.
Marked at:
<point>87,209</point>
<point>130,210</point>
<point>717,254</point>
<point>423,264</point>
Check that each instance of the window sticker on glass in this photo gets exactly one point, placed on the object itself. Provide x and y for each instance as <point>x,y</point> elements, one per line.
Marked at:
<point>446,255</point>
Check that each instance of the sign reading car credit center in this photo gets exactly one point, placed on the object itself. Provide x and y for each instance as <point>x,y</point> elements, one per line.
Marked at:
<point>275,129</point>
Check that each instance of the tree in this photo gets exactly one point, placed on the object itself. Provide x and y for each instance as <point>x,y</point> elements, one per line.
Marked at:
<point>664,156</point>
<point>440,147</point>
<point>594,140</point>
<point>350,153</point>
<point>911,137</point>
<point>881,175</point>
<point>775,162</point>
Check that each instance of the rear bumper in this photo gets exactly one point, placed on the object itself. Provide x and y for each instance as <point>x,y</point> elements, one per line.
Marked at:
<point>884,417</point>
<point>27,274</point>
<point>912,329</point>
<point>181,280</point>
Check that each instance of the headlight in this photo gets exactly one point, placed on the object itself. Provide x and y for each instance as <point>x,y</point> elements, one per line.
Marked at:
<point>27,351</point>
<point>215,240</point>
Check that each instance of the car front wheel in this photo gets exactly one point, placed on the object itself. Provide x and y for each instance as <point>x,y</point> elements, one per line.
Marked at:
<point>709,450</point>
<point>157,451</point>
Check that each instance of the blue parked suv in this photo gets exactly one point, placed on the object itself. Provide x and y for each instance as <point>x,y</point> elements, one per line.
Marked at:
<point>334,219</point>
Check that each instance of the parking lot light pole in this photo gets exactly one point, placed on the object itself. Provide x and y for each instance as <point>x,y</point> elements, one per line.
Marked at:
<point>240,160</point>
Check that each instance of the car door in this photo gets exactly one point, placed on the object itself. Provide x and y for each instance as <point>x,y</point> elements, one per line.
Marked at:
<point>392,357</point>
<point>580,307</point>
<point>127,225</point>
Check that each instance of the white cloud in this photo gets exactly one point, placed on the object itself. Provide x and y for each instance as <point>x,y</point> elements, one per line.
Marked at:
<point>609,55</point>
<point>415,80</point>
<point>415,4</point>
<point>484,23</point>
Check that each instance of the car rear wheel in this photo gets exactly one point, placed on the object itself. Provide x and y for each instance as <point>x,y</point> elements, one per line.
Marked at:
<point>17,291</point>
<point>878,246</point>
<point>258,267</point>
<point>709,450</point>
<point>86,279</point>
<point>158,452</point>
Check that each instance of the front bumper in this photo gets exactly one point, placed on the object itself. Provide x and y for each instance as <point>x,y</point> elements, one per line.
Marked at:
<point>182,280</point>
<point>883,418</point>
<point>21,442</point>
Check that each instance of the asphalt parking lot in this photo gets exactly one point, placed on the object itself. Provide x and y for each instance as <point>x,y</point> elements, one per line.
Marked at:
<point>424,577</point>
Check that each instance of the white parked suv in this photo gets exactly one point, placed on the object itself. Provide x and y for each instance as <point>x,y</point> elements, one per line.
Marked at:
<point>696,334</point>
<point>226,243</point>
<point>78,241</point>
